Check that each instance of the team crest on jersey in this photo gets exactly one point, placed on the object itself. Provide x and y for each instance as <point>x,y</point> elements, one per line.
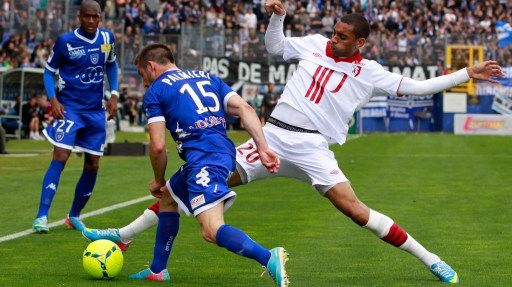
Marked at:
<point>94,58</point>
<point>59,135</point>
<point>356,70</point>
<point>75,52</point>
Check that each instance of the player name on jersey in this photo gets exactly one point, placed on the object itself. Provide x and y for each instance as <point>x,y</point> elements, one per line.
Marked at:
<point>184,75</point>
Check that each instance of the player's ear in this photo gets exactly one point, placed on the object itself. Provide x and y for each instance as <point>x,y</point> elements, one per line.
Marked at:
<point>360,42</point>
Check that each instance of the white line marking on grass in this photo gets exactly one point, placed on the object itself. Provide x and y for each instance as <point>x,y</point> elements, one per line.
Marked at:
<point>88,214</point>
<point>19,155</point>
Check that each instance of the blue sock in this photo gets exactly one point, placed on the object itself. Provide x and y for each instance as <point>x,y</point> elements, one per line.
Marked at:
<point>50,184</point>
<point>166,232</point>
<point>236,241</point>
<point>83,192</point>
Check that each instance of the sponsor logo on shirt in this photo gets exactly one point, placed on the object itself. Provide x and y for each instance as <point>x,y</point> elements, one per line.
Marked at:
<point>197,201</point>
<point>91,75</point>
<point>75,52</point>
<point>181,132</point>
<point>318,55</point>
<point>210,122</point>
<point>335,172</point>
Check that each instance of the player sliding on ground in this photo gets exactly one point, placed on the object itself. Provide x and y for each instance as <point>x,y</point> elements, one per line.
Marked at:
<point>332,80</point>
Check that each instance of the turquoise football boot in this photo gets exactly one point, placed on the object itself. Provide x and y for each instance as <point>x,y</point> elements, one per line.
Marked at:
<point>74,223</point>
<point>111,234</point>
<point>147,274</point>
<point>276,266</point>
<point>444,272</point>
<point>40,225</point>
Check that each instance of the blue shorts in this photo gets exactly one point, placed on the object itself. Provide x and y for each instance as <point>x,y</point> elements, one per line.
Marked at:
<point>200,187</point>
<point>83,131</point>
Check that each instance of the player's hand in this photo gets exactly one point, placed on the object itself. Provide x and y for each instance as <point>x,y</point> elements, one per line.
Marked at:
<point>485,71</point>
<point>155,188</point>
<point>112,107</point>
<point>274,6</point>
<point>57,109</point>
<point>269,159</point>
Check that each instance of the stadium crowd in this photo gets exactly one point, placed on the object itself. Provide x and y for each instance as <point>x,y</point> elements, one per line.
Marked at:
<point>404,32</point>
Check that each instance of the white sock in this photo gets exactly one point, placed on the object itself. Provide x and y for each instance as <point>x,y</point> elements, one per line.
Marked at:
<point>412,246</point>
<point>147,219</point>
<point>382,225</point>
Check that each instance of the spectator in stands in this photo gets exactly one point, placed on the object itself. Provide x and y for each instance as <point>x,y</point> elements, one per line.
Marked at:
<point>45,110</point>
<point>30,118</point>
<point>270,100</point>
<point>3,139</point>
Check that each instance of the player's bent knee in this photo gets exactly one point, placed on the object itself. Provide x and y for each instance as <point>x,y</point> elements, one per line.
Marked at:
<point>167,204</point>
<point>209,234</point>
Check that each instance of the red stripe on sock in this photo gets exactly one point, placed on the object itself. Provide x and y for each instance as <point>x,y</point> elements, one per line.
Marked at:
<point>396,236</point>
<point>155,207</point>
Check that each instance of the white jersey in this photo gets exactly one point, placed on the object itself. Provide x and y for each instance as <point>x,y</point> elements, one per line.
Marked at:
<point>325,90</point>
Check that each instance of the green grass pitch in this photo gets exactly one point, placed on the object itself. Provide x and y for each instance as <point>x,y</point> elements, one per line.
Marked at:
<point>452,193</point>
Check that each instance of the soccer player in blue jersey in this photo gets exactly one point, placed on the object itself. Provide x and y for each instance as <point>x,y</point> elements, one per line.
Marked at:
<point>81,59</point>
<point>192,105</point>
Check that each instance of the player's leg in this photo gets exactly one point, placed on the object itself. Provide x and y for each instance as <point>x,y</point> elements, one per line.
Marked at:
<point>124,235</point>
<point>167,230</point>
<point>214,230</point>
<point>90,138</point>
<point>342,196</point>
<point>49,188</point>
<point>83,190</point>
<point>146,220</point>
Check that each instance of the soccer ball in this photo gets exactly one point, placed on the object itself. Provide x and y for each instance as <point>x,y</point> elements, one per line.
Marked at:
<point>103,259</point>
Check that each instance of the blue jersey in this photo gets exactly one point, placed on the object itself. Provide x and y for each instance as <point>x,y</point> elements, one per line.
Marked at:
<point>81,65</point>
<point>193,105</point>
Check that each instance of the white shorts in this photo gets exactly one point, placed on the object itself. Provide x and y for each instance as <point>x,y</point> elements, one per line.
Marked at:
<point>304,156</point>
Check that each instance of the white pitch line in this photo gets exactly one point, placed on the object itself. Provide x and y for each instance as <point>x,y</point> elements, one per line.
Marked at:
<point>88,214</point>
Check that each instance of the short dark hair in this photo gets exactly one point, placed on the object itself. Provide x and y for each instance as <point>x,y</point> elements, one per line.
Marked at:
<point>361,25</point>
<point>89,3</point>
<point>155,52</point>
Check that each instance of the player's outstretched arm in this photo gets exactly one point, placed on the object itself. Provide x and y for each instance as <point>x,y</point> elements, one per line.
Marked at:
<point>275,7</point>
<point>484,71</point>
<point>158,156</point>
<point>274,36</point>
<point>238,107</point>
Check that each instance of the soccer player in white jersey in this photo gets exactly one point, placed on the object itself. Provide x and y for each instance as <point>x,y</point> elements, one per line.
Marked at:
<point>331,82</point>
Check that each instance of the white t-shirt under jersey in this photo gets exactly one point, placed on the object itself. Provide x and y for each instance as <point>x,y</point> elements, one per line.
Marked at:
<point>324,91</point>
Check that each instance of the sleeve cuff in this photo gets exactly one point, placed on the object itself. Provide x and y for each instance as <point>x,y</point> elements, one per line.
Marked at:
<point>156,119</point>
